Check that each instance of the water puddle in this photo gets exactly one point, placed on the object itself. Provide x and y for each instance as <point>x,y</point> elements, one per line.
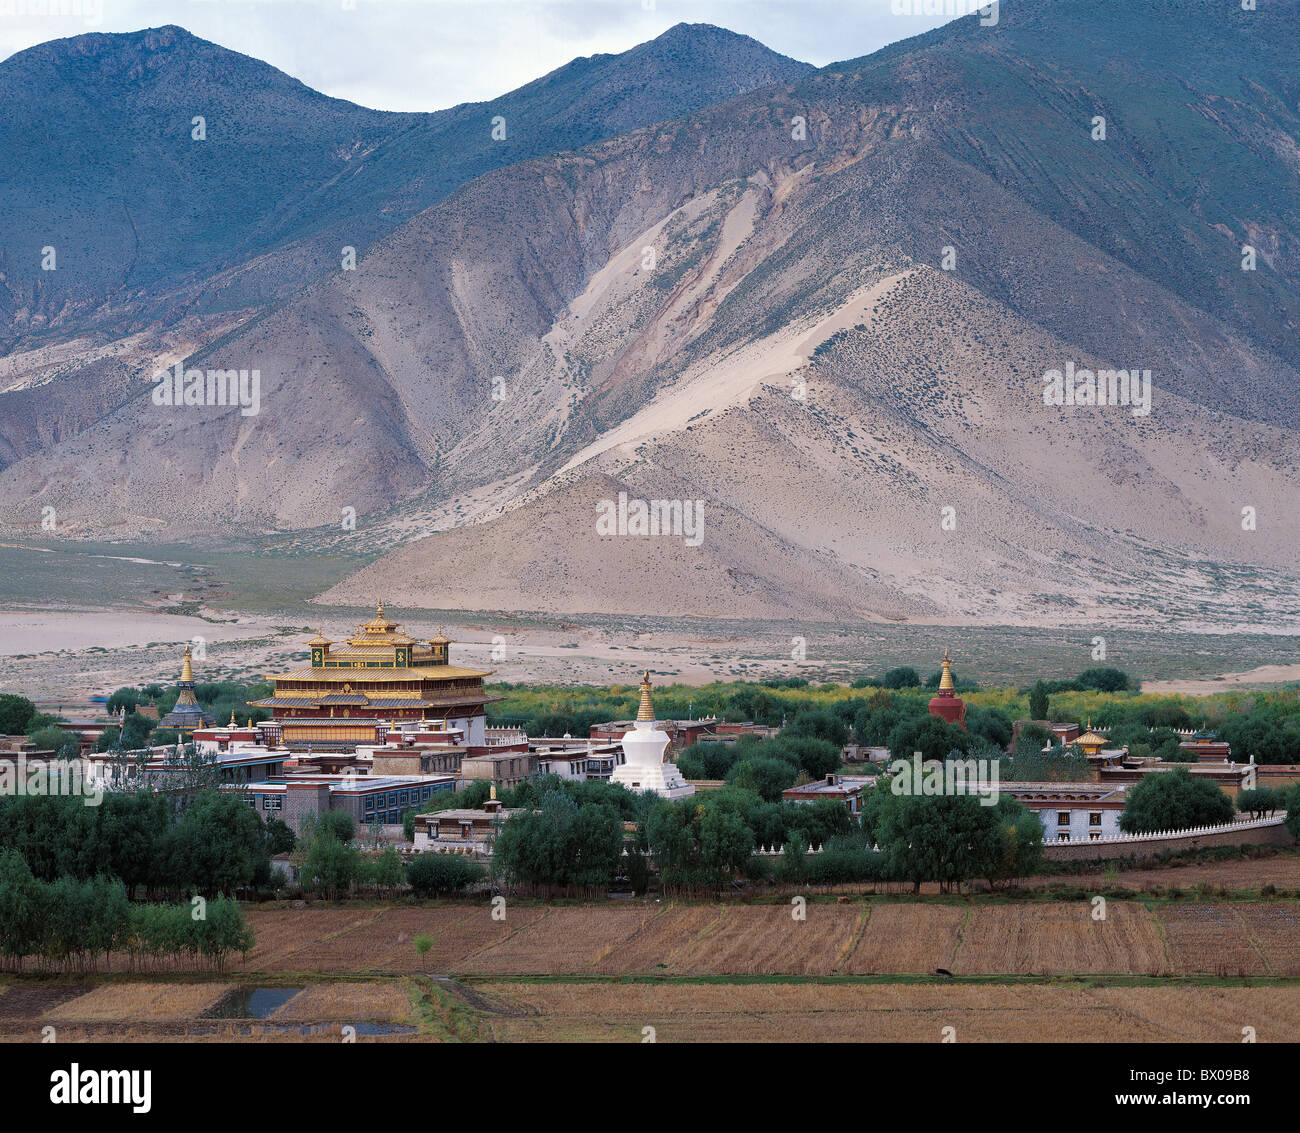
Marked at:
<point>251,1002</point>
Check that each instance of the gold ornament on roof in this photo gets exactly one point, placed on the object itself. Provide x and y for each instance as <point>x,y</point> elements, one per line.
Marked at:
<point>945,682</point>
<point>646,710</point>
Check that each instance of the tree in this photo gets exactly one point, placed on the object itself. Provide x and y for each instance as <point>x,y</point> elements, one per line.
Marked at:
<point>1260,801</point>
<point>943,838</point>
<point>331,866</point>
<point>932,737</point>
<point>280,838</point>
<point>818,757</point>
<point>562,844</point>
<point>336,824</point>
<point>385,871</point>
<point>1038,704</point>
<point>1293,810</point>
<point>1174,800</point>
<point>136,731</point>
<point>1020,838</point>
<point>216,844</point>
<point>903,677</point>
<point>22,907</point>
<point>765,776</point>
<point>1106,680</point>
<point>436,874</point>
<point>15,712</point>
<point>52,738</point>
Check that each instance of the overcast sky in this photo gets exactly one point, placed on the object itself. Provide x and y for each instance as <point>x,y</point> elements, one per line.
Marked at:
<point>430,54</point>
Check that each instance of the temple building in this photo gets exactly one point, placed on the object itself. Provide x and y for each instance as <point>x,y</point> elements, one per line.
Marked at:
<point>355,692</point>
<point>1091,743</point>
<point>187,714</point>
<point>946,704</point>
<point>646,768</point>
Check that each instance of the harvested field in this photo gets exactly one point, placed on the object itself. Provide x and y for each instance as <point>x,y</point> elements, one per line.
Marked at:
<point>1060,939</point>
<point>1214,1014</point>
<point>887,1013</point>
<point>1274,929</point>
<point>1215,940</point>
<point>875,937</point>
<point>907,939</point>
<point>346,1003</point>
<point>378,940</point>
<point>655,947</point>
<point>766,939</point>
<point>31,1001</point>
<point>139,1003</point>
<point>562,939</point>
<point>1281,870</point>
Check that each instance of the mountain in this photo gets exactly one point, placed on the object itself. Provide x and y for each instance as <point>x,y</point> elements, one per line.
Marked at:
<point>100,129</point>
<point>164,243</point>
<point>907,242</point>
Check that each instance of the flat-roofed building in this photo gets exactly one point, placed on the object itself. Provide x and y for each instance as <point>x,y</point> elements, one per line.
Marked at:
<point>832,788</point>
<point>461,828</point>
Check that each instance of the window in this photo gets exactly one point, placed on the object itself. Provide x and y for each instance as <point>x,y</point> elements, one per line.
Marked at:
<point>370,802</point>
<point>1063,836</point>
<point>402,799</point>
<point>1094,818</point>
<point>1062,818</point>
<point>1094,835</point>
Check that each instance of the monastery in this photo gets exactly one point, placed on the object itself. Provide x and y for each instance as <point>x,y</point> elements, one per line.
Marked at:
<point>351,693</point>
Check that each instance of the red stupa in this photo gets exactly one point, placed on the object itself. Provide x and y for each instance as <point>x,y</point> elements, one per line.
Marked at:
<point>947,705</point>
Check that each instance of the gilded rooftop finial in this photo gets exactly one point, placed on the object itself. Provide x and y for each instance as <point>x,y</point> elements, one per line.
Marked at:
<point>646,710</point>
<point>945,682</point>
<point>187,671</point>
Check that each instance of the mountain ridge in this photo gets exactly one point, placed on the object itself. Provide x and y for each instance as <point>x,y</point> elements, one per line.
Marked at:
<point>780,260</point>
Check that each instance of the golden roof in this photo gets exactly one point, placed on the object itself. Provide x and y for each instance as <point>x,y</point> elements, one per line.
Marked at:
<point>320,638</point>
<point>430,672</point>
<point>1090,738</point>
<point>646,710</point>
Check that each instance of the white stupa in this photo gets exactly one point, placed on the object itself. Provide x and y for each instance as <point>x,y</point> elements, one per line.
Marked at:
<point>643,748</point>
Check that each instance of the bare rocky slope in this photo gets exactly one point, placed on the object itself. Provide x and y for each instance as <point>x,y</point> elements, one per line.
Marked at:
<point>824,309</point>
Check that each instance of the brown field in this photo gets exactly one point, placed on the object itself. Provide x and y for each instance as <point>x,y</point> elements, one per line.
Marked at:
<point>347,1003</point>
<point>559,940</point>
<point>859,938</point>
<point>907,938</point>
<point>1215,939</point>
<point>1060,939</point>
<point>887,1013</point>
<point>1281,870</point>
<point>140,1003</point>
<point>326,939</point>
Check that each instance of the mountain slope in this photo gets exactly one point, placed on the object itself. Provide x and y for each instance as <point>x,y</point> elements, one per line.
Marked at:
<point>283,171</point>
<point>507,358</point>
